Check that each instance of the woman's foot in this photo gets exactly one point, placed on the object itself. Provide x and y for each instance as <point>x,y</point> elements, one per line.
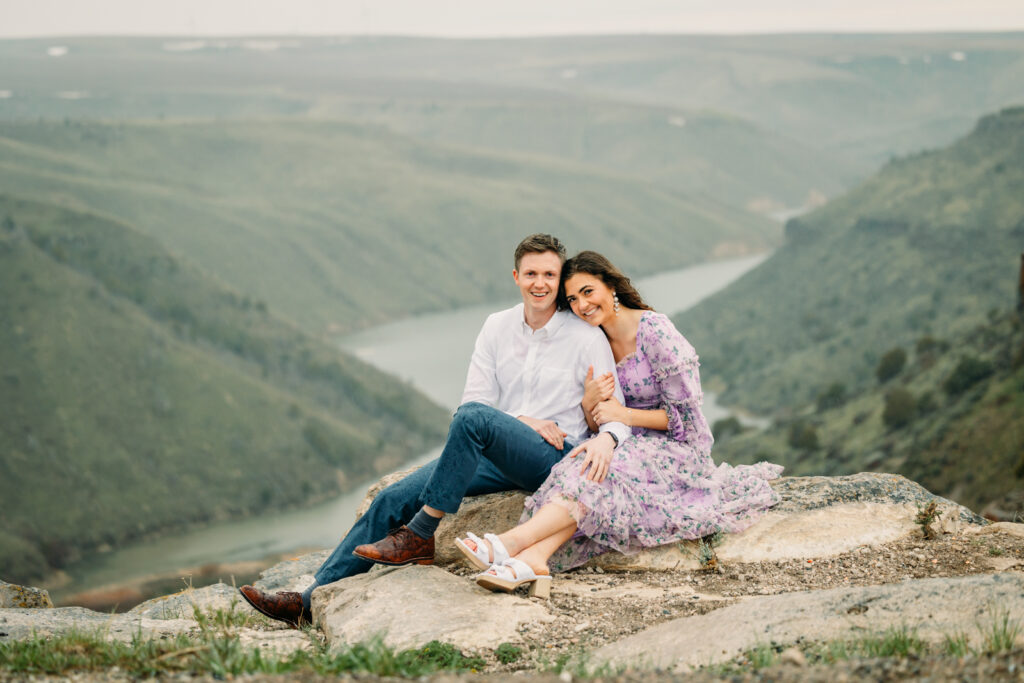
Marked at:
<point>482,552</point>
<point>515,573</point>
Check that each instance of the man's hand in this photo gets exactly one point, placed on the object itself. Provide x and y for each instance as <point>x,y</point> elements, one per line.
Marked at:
<point>597,455</point>
<point>551,432</point>
<point>597,389</point>
<point>609,411</point>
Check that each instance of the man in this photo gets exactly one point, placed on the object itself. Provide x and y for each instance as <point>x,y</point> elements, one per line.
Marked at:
<point>520,414</point>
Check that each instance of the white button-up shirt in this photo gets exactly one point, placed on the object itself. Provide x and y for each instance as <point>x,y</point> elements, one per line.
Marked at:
<point>540,373</point>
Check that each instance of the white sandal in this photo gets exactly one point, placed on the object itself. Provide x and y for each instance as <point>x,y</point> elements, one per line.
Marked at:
<point>512,574</point>
<point>479,557</point>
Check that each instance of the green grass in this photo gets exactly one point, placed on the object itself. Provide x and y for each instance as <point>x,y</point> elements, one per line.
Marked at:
<point>221,655</point>
<point>1001,631</point>
<point>957,644</point>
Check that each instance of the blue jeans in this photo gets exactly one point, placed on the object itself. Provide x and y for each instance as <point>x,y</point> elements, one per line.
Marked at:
<point>486,451</point>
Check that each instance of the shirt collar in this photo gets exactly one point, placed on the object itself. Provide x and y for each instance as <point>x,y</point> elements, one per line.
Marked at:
<point>550,328</point>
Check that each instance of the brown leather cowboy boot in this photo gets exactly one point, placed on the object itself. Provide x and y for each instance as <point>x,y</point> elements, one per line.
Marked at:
<point>398,548</point>
<point>285,606</point>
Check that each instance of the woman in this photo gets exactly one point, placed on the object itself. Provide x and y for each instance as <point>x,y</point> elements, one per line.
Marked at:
<point>660,485</point>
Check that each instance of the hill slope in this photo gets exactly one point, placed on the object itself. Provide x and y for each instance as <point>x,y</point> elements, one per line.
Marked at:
<point>139,395</point>
<point>861,97</point>
<point>338,226</point>
<point>950,417</point>
<point>927,246</point>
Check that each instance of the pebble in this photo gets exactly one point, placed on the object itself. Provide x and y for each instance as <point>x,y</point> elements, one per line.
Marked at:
<point>793,656</point>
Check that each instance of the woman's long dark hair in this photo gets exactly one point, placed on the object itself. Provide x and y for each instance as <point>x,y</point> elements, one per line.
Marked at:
<point>592,263</point>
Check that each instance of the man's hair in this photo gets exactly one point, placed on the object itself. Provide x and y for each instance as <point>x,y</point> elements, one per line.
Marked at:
<point>539,243</point>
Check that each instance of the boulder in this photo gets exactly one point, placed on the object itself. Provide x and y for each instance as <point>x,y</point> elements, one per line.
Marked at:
<point>22,624</point>
<point>935,608</point>
<point>295,574</point>
<point>817,517</point>
<point>410,606</point>
<point>13,595</point>
<point>182,605</point>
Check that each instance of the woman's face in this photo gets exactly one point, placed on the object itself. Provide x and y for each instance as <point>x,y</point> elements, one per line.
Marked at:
<point>589,298</point>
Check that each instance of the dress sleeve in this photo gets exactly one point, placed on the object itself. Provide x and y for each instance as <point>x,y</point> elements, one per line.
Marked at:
<point>674,364</point>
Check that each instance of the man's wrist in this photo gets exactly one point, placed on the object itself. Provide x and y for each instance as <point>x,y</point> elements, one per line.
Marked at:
<point>615,439</point>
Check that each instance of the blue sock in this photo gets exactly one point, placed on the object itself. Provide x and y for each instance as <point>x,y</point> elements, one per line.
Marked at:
<point>307,595</point>
<point>424,525</point>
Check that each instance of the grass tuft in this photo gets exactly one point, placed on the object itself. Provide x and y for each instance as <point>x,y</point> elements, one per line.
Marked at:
<point>1001,633</point>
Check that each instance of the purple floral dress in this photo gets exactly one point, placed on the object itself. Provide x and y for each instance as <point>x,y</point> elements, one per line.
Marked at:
<point>662,486</point>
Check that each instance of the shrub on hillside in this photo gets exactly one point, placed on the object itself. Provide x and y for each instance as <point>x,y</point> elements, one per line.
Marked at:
<point>967,372</point>
<point>900,408</point>
<point>20,561</point>
<point>926,403</point>
<point>803,435</point>
<point>726,427</point>
<point>832,397</point>
<point>891,364</point>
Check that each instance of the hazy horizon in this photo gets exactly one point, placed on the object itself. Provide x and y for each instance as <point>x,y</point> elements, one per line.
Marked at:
<point>501,19</point>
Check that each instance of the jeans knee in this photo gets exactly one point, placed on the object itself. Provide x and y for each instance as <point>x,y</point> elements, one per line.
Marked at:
<point>472,415</point>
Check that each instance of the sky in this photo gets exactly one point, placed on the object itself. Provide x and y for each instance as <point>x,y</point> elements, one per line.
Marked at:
<point>475,18</point>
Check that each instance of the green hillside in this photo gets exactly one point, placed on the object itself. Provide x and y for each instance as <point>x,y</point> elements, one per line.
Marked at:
<point>141,395</point>
<point>950,418</point>
<point>926,247</point>
<point>338,226</point>
<point>860,98</point>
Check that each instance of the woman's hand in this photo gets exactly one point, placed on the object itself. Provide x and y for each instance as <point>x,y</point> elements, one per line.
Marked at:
<point>610,411</point>
<point>597,455</point>
<point>597,389</point>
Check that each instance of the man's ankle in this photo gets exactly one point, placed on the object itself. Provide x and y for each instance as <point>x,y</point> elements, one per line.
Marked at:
<point>424,525</point>
<point>307,596</point>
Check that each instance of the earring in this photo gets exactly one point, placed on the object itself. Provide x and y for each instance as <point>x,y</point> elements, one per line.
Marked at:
<point>615,303</point>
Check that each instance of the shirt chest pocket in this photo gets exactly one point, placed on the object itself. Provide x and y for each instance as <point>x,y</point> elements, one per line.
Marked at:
<point>556,384</point>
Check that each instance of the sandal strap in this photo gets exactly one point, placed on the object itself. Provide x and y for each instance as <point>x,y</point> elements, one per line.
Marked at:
<point>501,555</point>
<point>513,570</point>
<point>481,549</point>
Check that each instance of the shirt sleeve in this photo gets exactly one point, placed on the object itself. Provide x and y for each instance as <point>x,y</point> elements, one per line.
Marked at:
<point>599,355</point>
<point>676,371</point>
<point>482,377</point>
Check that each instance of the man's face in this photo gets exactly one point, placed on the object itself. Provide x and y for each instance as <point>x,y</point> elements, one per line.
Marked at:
<point>537,279</point>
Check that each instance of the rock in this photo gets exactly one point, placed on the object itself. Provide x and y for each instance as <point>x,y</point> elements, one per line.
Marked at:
<point>182,605</point>
<point>13,595</point>
<point>411,606</point>
<point>817,517</point>
<point>794,656</point>
<point>295,574</point>
<point>491,513</point>
<point>21,624</point>
<point>934,607</point>
<point>1011,528</point>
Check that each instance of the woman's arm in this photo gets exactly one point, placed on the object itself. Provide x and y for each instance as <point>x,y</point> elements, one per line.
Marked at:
<point>675,369</point>
<point>613,411</point>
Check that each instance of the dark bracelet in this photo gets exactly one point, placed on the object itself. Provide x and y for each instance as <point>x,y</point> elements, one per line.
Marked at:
<point>614,438</point>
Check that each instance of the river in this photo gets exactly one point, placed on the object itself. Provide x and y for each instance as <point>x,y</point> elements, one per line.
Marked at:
<point>432,352</point>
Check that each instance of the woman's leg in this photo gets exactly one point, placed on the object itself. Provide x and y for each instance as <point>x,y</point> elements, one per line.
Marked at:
<point>537,555</point>
<point>551,520</point>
